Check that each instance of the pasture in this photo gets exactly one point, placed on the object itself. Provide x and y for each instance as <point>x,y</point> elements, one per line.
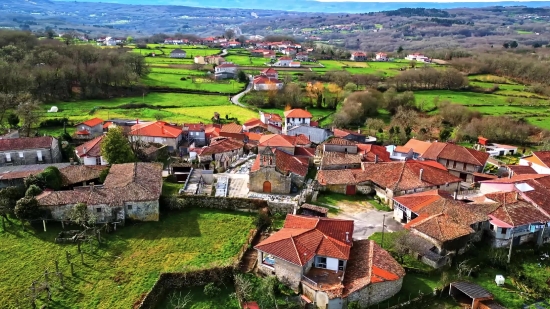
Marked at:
<point>126,264</point>
<point>371,67</point>
<point>193,80</point>
<point>171,107</point>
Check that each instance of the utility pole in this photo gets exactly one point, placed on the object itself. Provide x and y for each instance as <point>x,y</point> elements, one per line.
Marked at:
<point>511,244</point>
<point>383,226</point>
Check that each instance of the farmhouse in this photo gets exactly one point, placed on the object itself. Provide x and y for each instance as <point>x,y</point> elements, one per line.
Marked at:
<point>284,143</point>
<point>225,70</point>
<point>418,57</point>
<point>254,125</point>
<point>80,175</point>
<point>178,53</point>
<point>381,57</point>
<point>318,256</point>
<point>283,62</point>
<point>275,171</point>
<point>358,56</point>
<point>89,128</point>
<point>130,191</point>
<point>270,72</point>
<point>89,153</point>
<point>296,117</point>
<point>346,181</point>
<point>302,56</point>
<point>264,83</point>
<point>461,161</point>
<point>158,132</point>
<point>223,151</point>
<point>29,150</point>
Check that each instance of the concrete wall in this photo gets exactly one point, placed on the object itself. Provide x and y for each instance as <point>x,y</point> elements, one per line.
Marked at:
<point>92,160</point>
<point>376,292</point>
<point>280,184</point>
<point>316,135</point>
<point>288,273</point>
<point>30,156</point>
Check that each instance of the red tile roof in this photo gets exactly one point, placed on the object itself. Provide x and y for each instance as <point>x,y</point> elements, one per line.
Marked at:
<point>227,65</point>
<point>514,210</point>
<point>343,133</point>
<point>156,129</point>
<point>339,141</point>
<point>418,146</point>
<point>92,122</point>
<point>269,71</point>
<point>107,124</point>
<point>285,58</point>
<point>261,79</point>
<point>359,54</point>
<point>339,158</point>
<point>402,149</point>
<point>23,143</point>
<point>456,153</point>
<point>253,136</point>
<point>543,156</point>
<point>285,164</point>
<point>373,152</point>
<point>193,127</point>
<point>297,113</point>
<point>304,151</point>
<point>521,169</point>
<point>401,176</point>
<point>273,117</point>
<point>221,146</point>
<point>301,238</point>
<point>91,148</point>
<point>539,195</point>
<point>212,130</point>
<point>515,178</point>
<point>368,264</point>
<point>232,128</point>
<point>82,132</point>
<point>280,140</point>
<point>440,227</point>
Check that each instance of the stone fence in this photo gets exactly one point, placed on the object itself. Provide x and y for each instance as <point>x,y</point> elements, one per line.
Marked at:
<point>231,203</point>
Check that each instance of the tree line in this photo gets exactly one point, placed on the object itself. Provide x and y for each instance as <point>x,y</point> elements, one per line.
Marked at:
<point>50,71</point>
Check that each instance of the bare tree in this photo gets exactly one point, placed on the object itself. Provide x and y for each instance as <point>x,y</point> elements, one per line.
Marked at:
<point>28,112</point>
<point>178,301</point>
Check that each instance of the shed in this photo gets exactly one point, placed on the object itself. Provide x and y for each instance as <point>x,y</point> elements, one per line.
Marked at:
<point>314,211</point>
<point>469,292</point>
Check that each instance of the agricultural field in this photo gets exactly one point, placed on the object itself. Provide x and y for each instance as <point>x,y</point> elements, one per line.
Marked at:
<point>194,80</point>
<point>372,67</point>
<point>247,60</point>
<point>126,264</point>
<point>171,107</point>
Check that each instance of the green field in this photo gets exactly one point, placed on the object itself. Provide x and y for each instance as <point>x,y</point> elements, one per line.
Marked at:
<point>193,81</point>
<point>524,32</point>
<point>166,106</point>
<point>247,61</point>
<point>372,67</point>
<point>127,263</point>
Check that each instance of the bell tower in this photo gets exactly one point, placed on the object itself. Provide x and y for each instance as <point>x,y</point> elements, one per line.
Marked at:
<point>267,157</point>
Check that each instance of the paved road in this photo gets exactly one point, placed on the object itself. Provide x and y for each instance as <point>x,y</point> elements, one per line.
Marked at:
<point>235,99</point>
<point>370,221</point>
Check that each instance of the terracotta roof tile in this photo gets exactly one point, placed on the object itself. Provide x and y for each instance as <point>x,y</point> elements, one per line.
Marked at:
<point>297,113</point>
<point>285,163</point>
<point>521,169</point>
<point>514,179</point>
<point>75,174</point>
<point>373,152</point>
<point>91,148</point>
<point>369,263</point>
<point>156,129</point>
<point>301,238</point>
<point>402,149</point>
<point>194,127</point>
<point>261,79</point>
<point>514,210</point>
<point>339,158</point>
<point>92,122</point>
<point>543,156</point>
<point>339,141</point>
<point>343,133</point>
<point>440,227</point>
<point>221,146</point>
<point>231,128</point>
<point>456,153</point>
<point>23,143</point>
<point>418,146</point>
<point>280,140</point>
<point>304,151</point>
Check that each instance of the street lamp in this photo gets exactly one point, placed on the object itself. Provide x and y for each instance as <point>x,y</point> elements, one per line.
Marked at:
<point>383,227</point>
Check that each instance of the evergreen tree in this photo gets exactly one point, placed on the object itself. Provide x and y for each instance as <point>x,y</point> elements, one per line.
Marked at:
<point>116,148</point>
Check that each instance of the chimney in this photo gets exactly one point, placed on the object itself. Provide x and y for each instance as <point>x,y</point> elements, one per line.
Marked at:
<point>85,150</point>
<point>137,121</point>
<point>421,172</point>
<point>376,159</point>
<point>91,186</point>
<point>347,236</point>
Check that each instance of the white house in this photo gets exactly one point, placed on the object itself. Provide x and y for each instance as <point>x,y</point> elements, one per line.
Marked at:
<point>358,56</point>
<point>89,153</point>
<point>400,153</point>
<point>270,72</point>
<point>296,117</point>
<point>381,57</point>
<point>302,56</point>
<point>538,160</point>
<point>418,57</point>
<point>157,132</point>
<point>283,62</point>
<point>178,53</point>
<point>109,41</point>
<point>225,70</point>
<point>264,83</point>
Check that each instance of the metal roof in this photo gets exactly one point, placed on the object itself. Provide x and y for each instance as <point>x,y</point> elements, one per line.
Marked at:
<point>471,289</point>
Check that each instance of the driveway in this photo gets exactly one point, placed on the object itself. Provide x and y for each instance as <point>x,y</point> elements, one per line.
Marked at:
<point>235,99</point>
<point>368,221</point>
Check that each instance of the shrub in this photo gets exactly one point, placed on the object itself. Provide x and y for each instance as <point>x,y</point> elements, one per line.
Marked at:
<point>56,122</point>
<point>103,175</point>
<point>33,190</point>
<point>183,78</point>
<point>51,177</point>
<point>33,180</point>
<point>211,290</point>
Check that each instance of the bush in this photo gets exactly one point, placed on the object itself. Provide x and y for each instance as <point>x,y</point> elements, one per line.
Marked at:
<point>51,177</point>
<point>56,122</point>
<point>211,290</point>
<point>183,78</point>
<point>33,180</point>
<point>103,175</point>
<point>33,190</point>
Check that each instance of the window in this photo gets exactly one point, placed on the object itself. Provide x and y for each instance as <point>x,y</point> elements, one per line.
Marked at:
<point>454,164</point>
<point>98,161</point>
<point>340,265</point>
<point>463,166</point>
<point>129,207</point>
<point>98,209</point>
<point>503,230</point>
<point>8,157</point>
<point>447,163</point>
<point>21,154</point>
<point>492,227</point>
<point>321,262</point>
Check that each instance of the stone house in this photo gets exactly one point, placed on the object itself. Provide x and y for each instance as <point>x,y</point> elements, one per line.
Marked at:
<point>254,125</point>
<point>130,191</point>
<point>346,181</point>
<point>178,53</point>
<point>29,150</point>
<point>14,175</point>
<point>339,161</point>
<point>90,128</point>
<point>275,171</point>
<point>461,161</point>
<point>318,257</point>
<point>80,175</point>
<point>89,153</point>
<point>443,225</point>
<point>159,132</point>
<point>400,178</point>
<point>222,151</point>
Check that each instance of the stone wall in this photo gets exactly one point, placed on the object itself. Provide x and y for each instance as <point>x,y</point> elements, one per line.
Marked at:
<point>225,203</point>
<point>376,292</point>
<point>142,211</point>
<point>288,273</point>
<point>280,184</point>
<point>30,156</point>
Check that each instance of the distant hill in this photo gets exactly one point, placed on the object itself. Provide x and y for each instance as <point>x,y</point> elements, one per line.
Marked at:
<point>322,7</point>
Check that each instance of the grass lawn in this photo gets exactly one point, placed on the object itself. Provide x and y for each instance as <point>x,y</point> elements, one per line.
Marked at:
<point>128,262</point>
<point>170,188</point>
<point>166,79</point>
<point>362,200</point>
<point>246,60</point>
<point>222,300</point>
<point>168,106</point>
<point>524,32</point>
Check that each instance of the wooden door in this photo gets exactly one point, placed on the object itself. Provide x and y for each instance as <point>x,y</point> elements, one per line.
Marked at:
<point>350,190</point>
<point>267,187</point>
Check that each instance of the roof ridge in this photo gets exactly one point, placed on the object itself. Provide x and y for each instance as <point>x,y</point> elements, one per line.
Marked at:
<point>295,249</point>
<point>400,176</point>
<point>370,260</point>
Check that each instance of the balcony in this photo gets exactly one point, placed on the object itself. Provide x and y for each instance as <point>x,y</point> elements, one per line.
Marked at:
<point>323,279</point>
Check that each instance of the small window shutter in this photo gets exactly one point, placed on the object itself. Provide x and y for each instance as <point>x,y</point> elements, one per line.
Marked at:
<point>8,156</point>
